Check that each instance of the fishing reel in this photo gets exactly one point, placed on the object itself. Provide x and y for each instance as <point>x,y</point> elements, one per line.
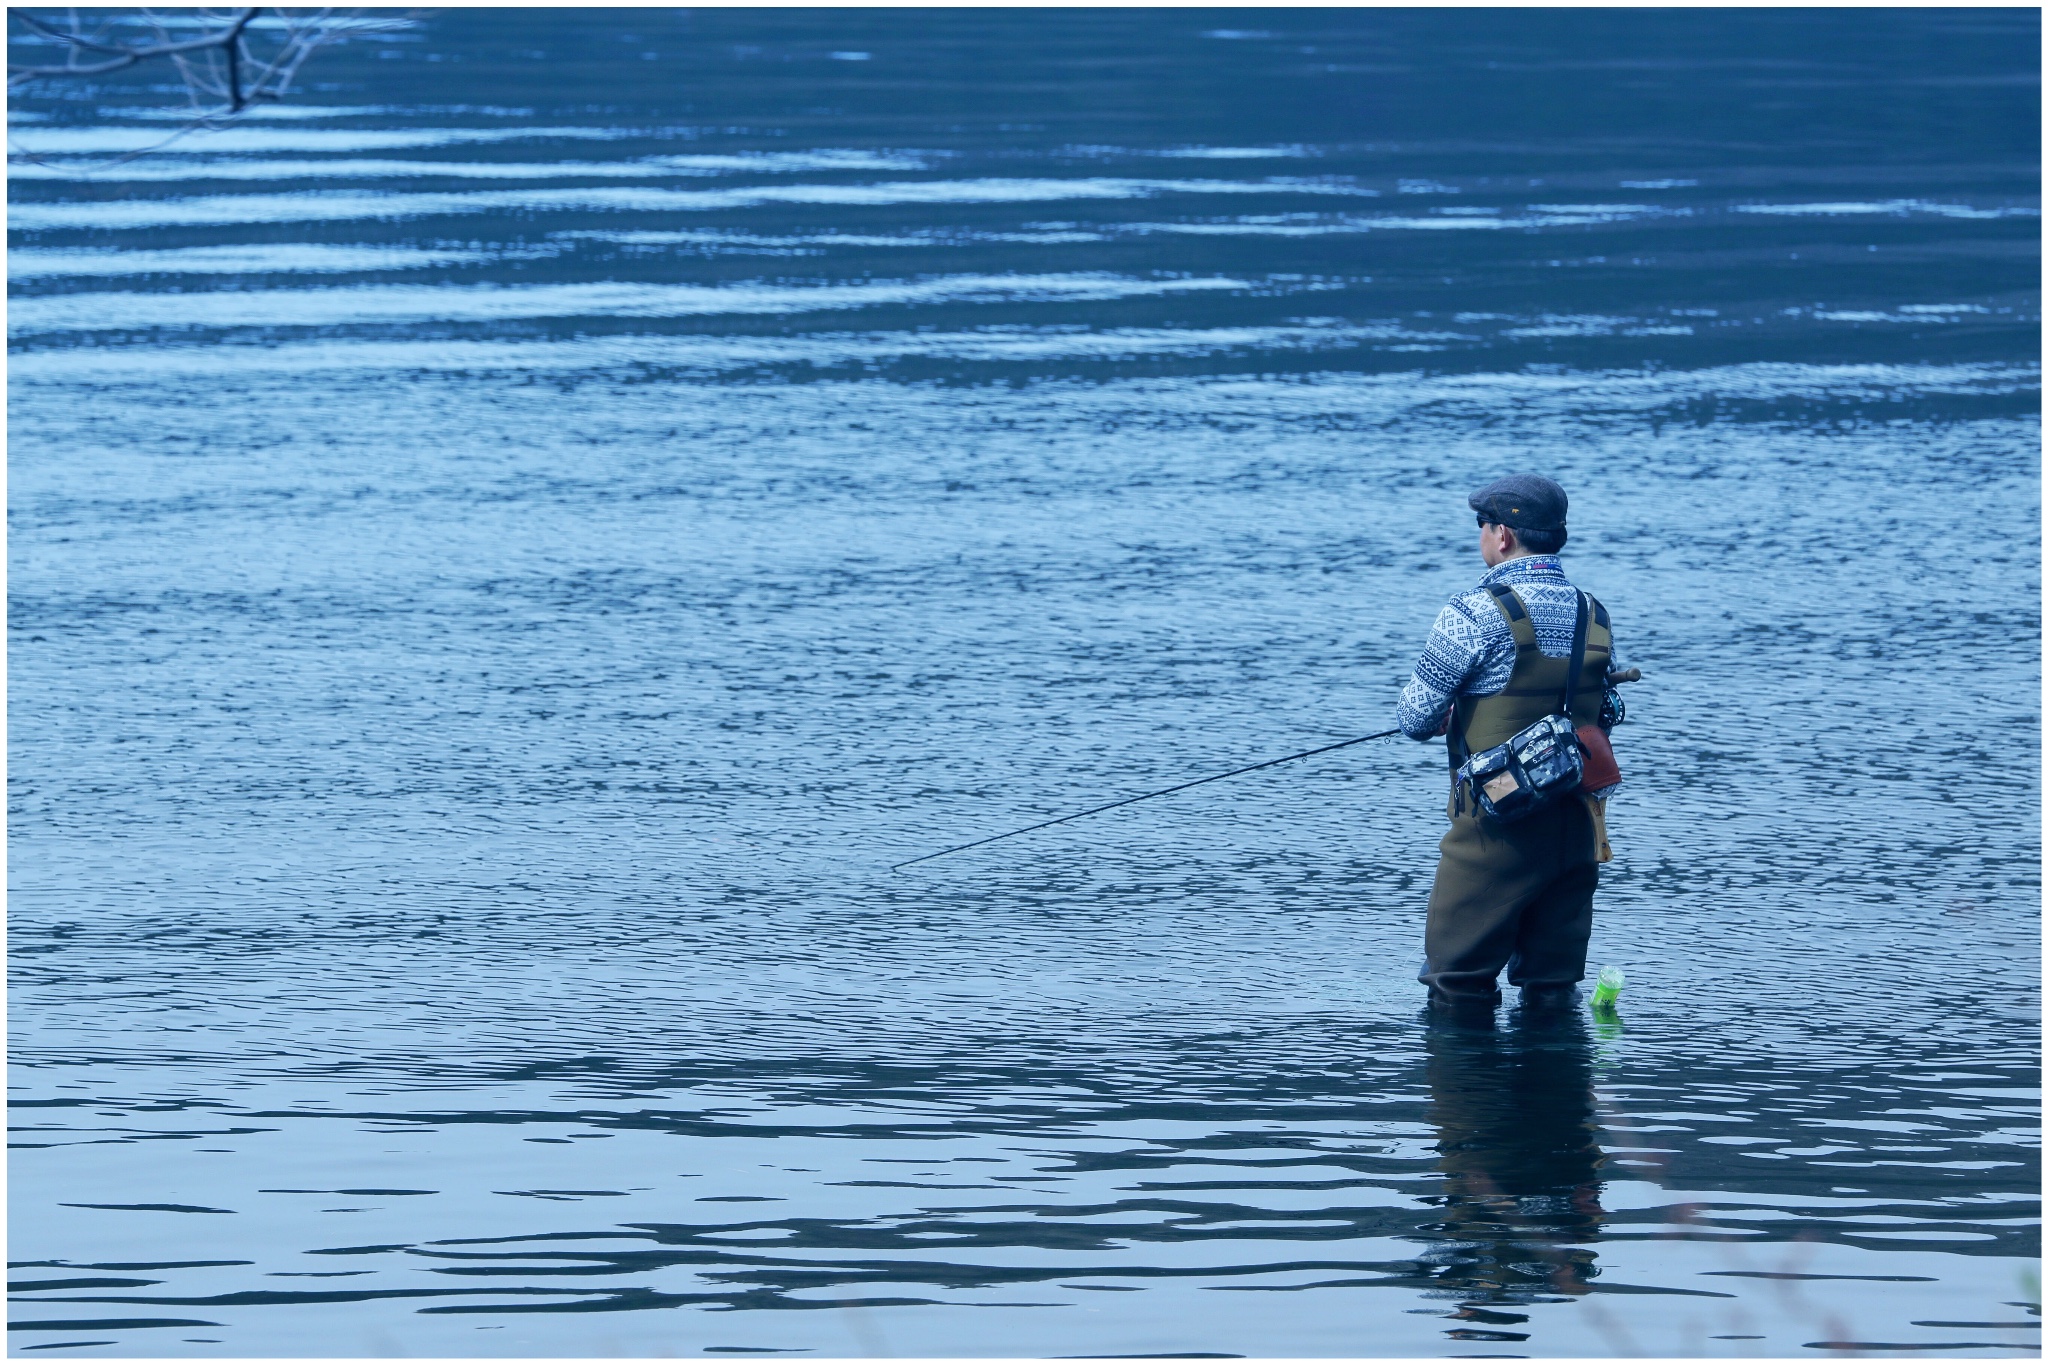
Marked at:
<point>1612,710</point>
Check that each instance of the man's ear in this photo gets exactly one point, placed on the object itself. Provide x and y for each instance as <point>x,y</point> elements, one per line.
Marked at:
<point>1508,541</point>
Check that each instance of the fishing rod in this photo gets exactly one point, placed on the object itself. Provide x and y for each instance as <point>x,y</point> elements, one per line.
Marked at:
<point>1625,675</point>
<point>1234,772</point>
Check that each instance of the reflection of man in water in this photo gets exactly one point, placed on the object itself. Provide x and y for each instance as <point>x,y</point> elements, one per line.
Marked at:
<point>1513,1112</point>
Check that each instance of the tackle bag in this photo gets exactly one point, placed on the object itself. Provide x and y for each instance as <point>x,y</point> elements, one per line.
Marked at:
<point>1537,765</point>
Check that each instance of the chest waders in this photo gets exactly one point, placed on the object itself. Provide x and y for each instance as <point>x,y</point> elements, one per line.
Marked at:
<point>1519,895</point>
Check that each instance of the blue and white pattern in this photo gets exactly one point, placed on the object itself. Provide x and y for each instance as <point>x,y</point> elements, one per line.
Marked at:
<point>1472,651</point>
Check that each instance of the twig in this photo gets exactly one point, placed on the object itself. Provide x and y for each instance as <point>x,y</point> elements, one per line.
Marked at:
<point>127,56</point>
<point>225,75</point>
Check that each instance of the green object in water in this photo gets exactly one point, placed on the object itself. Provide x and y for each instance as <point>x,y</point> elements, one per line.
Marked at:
<point>1608,989</point>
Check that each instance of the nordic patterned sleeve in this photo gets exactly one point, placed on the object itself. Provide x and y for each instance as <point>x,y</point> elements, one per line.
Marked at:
<point>1452,655</point>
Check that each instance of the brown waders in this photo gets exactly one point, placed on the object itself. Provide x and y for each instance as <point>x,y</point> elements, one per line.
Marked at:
<point>1517,895</point>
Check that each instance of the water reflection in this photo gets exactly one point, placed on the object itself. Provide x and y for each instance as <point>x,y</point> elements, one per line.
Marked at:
<point>1513,1112</point>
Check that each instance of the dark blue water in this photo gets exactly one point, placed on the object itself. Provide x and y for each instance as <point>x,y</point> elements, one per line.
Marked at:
<point>508,548</point>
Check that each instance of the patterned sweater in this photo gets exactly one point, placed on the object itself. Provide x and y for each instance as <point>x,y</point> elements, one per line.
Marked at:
<point>1471,650</point>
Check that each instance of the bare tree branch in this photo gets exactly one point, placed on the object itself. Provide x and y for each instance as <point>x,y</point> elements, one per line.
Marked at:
<point>235,64</point>
<point>127,56</point>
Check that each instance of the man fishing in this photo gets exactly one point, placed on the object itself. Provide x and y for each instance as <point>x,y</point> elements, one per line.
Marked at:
<point>1514,886</point>
<point>1518,674</point>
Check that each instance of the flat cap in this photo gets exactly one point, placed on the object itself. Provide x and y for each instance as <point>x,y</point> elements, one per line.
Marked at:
<point>1528,502</point>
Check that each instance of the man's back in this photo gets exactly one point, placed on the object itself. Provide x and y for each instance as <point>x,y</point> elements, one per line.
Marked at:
<point>1471,651</point>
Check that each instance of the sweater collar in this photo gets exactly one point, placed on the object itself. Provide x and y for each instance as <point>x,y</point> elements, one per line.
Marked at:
<point>1525,569</point>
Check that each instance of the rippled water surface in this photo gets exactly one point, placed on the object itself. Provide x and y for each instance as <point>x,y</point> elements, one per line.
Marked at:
<point>508,549</point>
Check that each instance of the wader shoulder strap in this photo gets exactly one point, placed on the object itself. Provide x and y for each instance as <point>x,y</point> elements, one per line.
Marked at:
<point>1524,632</point>
<point>1517,616</point>
<point>1600,640</point>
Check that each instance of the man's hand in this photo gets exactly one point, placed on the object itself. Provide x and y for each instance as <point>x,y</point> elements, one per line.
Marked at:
<point>1443,727</point>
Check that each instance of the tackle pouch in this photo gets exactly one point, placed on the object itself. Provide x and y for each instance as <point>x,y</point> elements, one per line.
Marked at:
<point>1535,767</point>
<point>1602,774</point>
